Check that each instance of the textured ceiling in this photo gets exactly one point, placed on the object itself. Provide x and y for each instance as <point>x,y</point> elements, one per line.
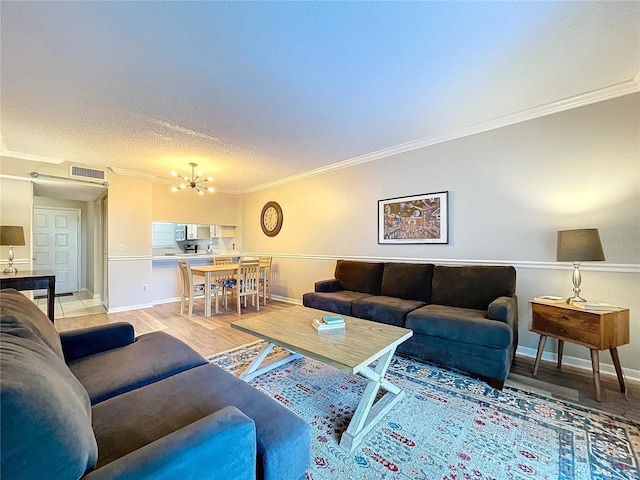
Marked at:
<point>259,91</point>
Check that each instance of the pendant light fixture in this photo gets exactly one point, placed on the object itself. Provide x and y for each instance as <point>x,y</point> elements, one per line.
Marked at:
<point>193,182</point>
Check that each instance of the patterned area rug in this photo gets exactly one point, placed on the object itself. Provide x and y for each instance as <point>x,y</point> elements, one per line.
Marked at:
<point>448,427</point>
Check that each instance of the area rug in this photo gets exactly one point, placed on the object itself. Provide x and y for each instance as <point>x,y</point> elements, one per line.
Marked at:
<point>448,427</point>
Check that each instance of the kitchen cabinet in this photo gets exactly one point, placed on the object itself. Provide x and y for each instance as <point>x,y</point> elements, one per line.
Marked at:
<point>192,231</point>
<point>222,231</point>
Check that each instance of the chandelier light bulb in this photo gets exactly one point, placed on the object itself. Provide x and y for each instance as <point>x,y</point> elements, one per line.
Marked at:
<point>193,181</point>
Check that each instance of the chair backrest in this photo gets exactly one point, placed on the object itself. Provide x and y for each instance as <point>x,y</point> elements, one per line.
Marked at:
<point>222,260</point>
<point>265,262</point>
<point>186,276</point>
<point>249,275</point>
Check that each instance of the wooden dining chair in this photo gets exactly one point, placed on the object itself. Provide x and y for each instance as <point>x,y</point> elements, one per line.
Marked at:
<point>191,291</point>
<point>247,284</point>
<point>265,278</point>
<point>224,281</point>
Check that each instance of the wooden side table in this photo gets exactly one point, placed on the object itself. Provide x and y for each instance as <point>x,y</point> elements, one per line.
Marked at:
<point>33,280</point>
<point>596,330</point>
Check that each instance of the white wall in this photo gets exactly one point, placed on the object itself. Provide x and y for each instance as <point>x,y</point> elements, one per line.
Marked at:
<point>16,208</point>
<point>510,191</point>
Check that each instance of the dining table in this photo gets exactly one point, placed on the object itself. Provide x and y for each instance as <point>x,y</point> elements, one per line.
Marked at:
<point>207,272</point>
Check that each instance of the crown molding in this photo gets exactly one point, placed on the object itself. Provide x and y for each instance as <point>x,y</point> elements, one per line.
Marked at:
<point>588,98</point>
<point>30,157</point>
<point>133,173</point>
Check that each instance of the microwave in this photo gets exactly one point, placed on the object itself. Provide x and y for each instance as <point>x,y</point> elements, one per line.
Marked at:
<point>181,233</point>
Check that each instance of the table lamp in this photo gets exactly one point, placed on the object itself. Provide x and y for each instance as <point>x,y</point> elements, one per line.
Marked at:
<point>577,246</point>
<point>11,236</point>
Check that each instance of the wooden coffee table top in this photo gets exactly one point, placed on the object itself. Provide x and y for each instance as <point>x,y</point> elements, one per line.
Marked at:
<point>349,349</point>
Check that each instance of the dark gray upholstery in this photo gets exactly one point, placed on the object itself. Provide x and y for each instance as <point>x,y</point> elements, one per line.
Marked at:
<point>364,277</point>
<point>283,439</point>
<point>462,317</point>
<point>338,302</point>
<point>411,281</point>
<point>45,430</point>
<point>460,325</point>
<point>150,358</point>
<point>472,286</point>
<point>389,310</point>
<point>161,411</point>
<point>27,313</point>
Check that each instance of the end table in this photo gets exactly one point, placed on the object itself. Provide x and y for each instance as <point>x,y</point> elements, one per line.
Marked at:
<point>595,329</point>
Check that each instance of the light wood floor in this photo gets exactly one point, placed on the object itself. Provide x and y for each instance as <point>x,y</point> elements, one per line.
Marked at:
<point>214,334</point>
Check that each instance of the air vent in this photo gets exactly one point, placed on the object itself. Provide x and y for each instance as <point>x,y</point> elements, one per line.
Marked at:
<point>83,172</point>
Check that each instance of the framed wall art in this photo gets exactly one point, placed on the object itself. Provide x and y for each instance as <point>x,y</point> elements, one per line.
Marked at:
<point>416,219</point>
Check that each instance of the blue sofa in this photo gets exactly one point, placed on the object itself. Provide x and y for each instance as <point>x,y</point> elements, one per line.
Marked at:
<point>99,403</point>
<point>464,318</point>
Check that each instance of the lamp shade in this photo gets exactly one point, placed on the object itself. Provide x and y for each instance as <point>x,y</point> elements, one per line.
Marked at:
<point>11,236</point>
<point>581,245</point>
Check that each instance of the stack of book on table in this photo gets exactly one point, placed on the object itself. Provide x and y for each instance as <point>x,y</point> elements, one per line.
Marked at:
<point>330,322</point>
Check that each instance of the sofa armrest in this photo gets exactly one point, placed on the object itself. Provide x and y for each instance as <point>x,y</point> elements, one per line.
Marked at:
<point>87,341</point>
<point>220,445</point>
<point>504,309</point>
<point>332,285</point>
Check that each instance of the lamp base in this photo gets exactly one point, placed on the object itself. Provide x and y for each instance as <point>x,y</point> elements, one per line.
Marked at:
<point>575,299</point>
<point>11,269</point>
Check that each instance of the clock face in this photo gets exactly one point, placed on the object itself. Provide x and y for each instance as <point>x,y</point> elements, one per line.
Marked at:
<point>271,219</point>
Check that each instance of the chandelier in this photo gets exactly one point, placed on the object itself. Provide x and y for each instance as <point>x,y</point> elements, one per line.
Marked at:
<point>192,182</point>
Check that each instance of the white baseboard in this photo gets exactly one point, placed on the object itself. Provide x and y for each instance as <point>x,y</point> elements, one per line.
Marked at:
<point>582,364</point>
<point>129,307</point>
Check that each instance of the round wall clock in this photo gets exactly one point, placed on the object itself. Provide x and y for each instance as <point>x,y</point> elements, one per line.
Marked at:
<point>271,219</point>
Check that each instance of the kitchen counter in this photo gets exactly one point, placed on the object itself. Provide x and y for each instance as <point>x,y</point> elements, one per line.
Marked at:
<point>165,282</point>
<point>193,256</point>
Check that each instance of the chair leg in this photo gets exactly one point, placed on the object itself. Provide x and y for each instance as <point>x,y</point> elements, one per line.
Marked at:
<point>182,305</point>
<point>239,301</point>
<point>190,307</point>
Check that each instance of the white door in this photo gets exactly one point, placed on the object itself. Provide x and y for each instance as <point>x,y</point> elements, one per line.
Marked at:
<point>55,245</point>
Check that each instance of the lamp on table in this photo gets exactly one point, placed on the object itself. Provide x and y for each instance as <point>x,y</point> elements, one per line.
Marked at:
<point>582,245</point>
<point>11,236</point>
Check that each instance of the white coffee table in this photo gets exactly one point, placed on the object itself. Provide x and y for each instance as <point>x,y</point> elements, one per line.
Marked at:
<point>351,350</point>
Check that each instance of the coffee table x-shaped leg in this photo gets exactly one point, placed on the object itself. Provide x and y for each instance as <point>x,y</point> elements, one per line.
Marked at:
<point>367,413</point>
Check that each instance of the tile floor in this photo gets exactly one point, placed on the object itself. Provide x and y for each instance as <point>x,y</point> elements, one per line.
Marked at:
<point>73,305</point>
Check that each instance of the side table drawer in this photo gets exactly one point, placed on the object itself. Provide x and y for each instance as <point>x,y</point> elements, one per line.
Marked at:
<point>579,327</point>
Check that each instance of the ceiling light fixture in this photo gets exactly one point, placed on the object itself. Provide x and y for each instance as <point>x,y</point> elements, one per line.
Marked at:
<point>193,182</point>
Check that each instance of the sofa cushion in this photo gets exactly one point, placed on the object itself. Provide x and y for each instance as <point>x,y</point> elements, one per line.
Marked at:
<point>337,302</point>
<point>389,310</point>
<point>15,304</point>
<point>129,421</point>
<point>461,325</point>
<point>150,358</point>
<point>46,415</point>
<point>364,277</point>
<point>411,281</point>
<point>472,286</point>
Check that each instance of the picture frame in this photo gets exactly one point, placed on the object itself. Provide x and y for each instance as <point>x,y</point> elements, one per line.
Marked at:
<point>415,219</point>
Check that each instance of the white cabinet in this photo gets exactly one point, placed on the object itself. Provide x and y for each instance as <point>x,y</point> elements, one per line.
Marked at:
<point>192,231</point>
<point>221,231</point>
